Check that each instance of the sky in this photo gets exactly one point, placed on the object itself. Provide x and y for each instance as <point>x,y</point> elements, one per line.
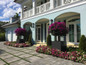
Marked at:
<point>8,9</point>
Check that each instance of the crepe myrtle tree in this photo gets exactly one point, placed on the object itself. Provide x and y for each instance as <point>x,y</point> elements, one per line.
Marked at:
<point>20,32</point>
<point>58,29</point>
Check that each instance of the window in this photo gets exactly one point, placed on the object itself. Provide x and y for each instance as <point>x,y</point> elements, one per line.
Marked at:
<point>78,32</point>
<point>71,33</point>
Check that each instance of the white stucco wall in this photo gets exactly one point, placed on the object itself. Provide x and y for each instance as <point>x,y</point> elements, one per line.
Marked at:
<point>10,33</point>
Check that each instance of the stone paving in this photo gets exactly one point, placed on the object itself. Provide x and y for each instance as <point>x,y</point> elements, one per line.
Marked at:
<point>28,56</point>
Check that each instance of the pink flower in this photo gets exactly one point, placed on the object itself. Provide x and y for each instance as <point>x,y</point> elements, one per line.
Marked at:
<point>20,31</point>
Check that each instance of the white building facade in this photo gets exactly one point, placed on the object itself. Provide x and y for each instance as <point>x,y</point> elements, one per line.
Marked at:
<point>39,14</point>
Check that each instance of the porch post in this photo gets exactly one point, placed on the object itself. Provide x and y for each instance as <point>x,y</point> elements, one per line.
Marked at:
<point>43,32</point>
<point>34,6</point>
<point>83,22</point>
<point>35,32</point>
<point>51,4</point>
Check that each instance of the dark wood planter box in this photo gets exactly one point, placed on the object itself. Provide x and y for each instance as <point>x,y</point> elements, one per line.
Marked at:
<point>21,41</point>
<point>61,45</point>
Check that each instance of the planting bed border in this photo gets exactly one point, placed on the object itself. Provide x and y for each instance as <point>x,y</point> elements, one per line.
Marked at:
<point>19,45</point>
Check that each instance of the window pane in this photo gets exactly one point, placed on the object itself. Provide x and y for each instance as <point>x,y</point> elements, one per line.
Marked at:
<point>78,32</point>
<point>38,33</point>
<point>71,33</point>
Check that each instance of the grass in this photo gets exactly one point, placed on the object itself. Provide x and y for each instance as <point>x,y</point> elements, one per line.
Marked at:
<point>4,61</point>
<point>70,49</point>
<point>26,52</point>
<point>18,57</point>
<point>13,42</point>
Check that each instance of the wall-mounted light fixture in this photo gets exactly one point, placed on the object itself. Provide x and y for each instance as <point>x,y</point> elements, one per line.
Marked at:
<point>33,25</point>
<point>51,21</point>
<point>25,8</point>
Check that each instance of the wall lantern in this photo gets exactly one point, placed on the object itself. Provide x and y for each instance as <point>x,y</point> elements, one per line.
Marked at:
<point>33,25</point>
<point>51,21</point>
<point>25,8</point>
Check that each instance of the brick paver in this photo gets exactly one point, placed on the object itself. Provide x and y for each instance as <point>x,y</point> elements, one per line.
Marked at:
<point>28,56</point>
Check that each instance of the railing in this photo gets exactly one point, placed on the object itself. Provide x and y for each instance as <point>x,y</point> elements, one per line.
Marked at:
<point>43,8</point>
<point>64,2</point>
<point>28,13</point>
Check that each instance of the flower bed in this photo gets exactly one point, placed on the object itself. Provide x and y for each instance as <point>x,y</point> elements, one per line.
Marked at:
<point>17,44</point>
<point>74,56</point>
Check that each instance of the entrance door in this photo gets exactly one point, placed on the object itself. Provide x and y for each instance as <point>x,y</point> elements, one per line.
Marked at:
<point>38,33</point>
<point>9,35</point>
<point>74,31</point>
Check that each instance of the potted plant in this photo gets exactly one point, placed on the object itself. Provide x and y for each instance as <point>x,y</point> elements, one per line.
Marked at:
<point>58,29</point>
<point>20,32</point>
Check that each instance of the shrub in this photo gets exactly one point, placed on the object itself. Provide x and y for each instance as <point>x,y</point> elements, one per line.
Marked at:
<point>30,39</point>
<point>49,40</point>
<point>2,36</point>
<point>82,45</point>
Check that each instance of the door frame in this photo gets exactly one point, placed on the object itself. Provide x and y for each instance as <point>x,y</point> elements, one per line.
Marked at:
<point>37,34</point>
<point>75,30</point>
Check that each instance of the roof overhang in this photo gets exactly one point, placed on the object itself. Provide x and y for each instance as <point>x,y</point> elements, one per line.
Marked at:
<point>11,24</point>
<point>19,1</point>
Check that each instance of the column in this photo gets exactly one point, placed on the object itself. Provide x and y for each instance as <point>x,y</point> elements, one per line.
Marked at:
<point>51,4</point>
<point>83,22</point>
<point>43,32</point>
<point>75,33</point>
<point>35,32</point>
<point>34,7</point>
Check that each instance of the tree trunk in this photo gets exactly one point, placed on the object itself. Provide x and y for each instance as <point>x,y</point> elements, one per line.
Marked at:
<point>58,38</point>
<point>55,38</point>
<point>18,39</point>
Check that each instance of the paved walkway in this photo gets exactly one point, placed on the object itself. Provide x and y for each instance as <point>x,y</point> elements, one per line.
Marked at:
<point>28,56</point>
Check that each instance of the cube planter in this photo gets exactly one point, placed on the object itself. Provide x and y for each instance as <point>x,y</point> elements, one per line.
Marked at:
<point>61,45</point>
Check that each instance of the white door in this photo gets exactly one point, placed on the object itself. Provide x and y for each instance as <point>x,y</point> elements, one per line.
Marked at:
<point>74,32</point>
<point>9,35</point>
<point>14,36</point>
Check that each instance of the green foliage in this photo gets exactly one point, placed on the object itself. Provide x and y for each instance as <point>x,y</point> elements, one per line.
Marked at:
<point>16,15</point>
<point>2,30</point>
<point>82,45</point>
<point>30,39</point>
<point>71,49</point>
<point>49,40</point>
<point>2,36</point>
